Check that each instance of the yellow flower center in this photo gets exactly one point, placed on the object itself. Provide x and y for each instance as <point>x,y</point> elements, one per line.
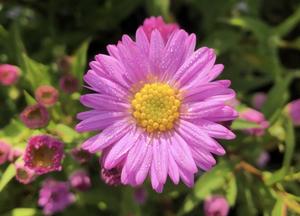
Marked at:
<point>156,107</point>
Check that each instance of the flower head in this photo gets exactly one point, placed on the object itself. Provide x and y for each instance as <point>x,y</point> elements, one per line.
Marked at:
<point>80,155</point>
<point>9,74</point>
<point>80,180</point>
<point>65,64</point>
<point>263,159</point>
<point>23,174</point>
<point>216,205</point>
<point>5,150</point>
<point>258,100</point>
<point>35,116</point>
<point>55,196</point>
<point>255,117</point>
<point>159,24</point>
<point>43,154</point>
<point>46,95</point>
<point>293,109</point>
<point>69,83</point>
<point>158,108</point>
<point>140,195</point>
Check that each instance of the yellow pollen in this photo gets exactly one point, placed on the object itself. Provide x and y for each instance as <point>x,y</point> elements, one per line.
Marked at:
<point>156,107</point>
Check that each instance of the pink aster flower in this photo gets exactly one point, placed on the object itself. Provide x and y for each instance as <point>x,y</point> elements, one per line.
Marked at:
<point>158,108</point>
<point>9,74</point>
<point>4,152</point>
<point>293,109</point>
<point>23,174</point>
<point>35,116</point>
<point>258,100</point>
<point>159,24</point>
<point>255,117</point>
<point>216,205</point>
<point>44,154</point>
<point>46,95</point>
<point>55,196</point>
<point>80,155</point>
<point>69,83</point>
<point>80,180</point>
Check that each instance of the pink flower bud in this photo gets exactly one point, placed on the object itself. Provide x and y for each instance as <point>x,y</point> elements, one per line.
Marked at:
<point>9,74</point>
<point>46,95</point>
<point>35,116</point>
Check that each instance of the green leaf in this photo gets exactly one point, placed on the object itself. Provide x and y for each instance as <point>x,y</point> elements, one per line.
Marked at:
<point>279,208</point>
<point>159,7</point>
<point>257,27</point>
<point>241,124</point>
<point>8,174</point>
<point>29,99</point>
<point>35,73</point>
<point>24,212</point>
<point>231,192</point>
<point>79,60</point>
<point>66,133</point>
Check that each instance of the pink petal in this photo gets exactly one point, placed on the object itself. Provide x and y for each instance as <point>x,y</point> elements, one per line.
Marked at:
<point>173,54</point>
<point>88,114</point>
<point>173,168</point>
<point>120,149</point>
<point>146,164</point>
<point>191,66</point>
<point>195,136</point>
<point>104,102</point>
<point>103,85</point>
<point>100,121</point>
<point>160,159</point>
<point>187,177</point>
<point>182,153</point>
<point>113,68</point>
<point>156,51</point>
<point>142,40</point>
<point>215,130</point>
<point>156,185</point>
<point>108,136</point>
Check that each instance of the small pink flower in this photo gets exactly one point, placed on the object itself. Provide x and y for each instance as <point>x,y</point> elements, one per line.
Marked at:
<point>80,155</point>
<point>112,176</point>
<point>158,23</point>
<point>14,154</point>
<point>80,180</point>
<point>216,206</point>
<point>293,109</point>
<point>69,83</point>
<point>258,100</point>
<point>263,159</point>
<point>9,74</point>
<point>46,95</point>
<point>35,116</point>
<point>43,154</point>
<point>23,174</point>
<point>65,64</point>
<point>254,116</point>
<point>4,152</point>
<point>55,196</point>
<point>140,195</point>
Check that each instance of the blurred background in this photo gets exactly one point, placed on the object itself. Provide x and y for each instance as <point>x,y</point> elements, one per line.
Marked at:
<point>258,41</point>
